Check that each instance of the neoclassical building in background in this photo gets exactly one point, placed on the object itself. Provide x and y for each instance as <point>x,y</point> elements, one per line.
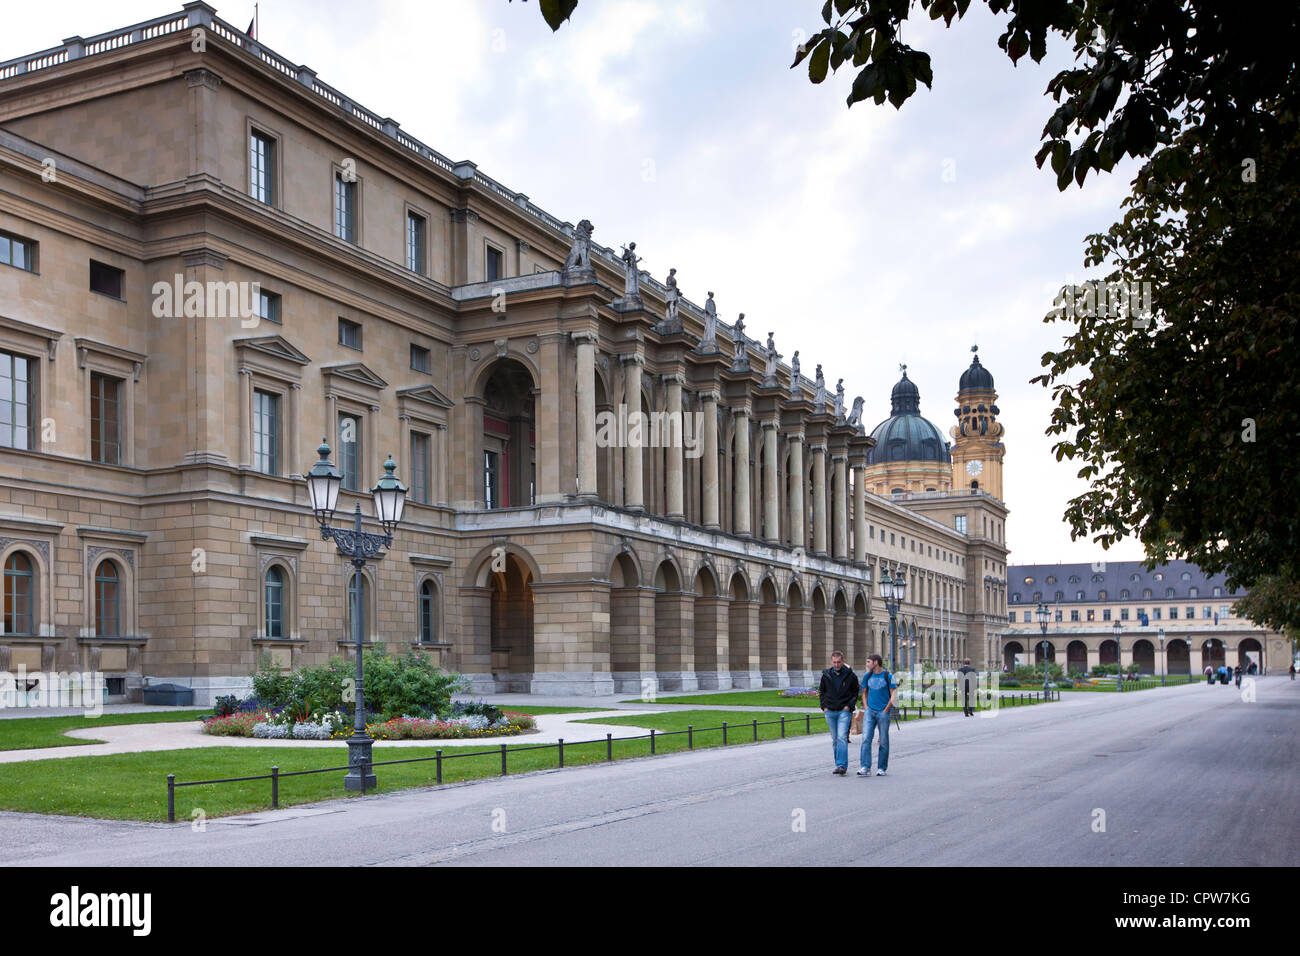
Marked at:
<point>157,412</point>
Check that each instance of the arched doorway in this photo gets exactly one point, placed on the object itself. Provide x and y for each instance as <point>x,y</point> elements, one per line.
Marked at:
<point>711,632</point>
<point>796,634</point>
<point>1076,658</point>
<point>674,649</point>
<point>631,627</point>
<point>1108,652</point>
<point>744,632</point>
<point>1038,652</point>
<point>1179,661</point>
<point>820,648</point>
<point>1212,653</point>
<point>1144,656</point>
<point>1249,651</point>
<point>512,625</point>
<point>1011,652</point>
<point>508,470</point>
<point>774,674</point>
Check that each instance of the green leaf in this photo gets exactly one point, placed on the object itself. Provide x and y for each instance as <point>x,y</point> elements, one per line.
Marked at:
<point>555,12</point>
<point>819,61</point>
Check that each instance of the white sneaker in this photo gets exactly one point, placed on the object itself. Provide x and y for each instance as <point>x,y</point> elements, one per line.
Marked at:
<point>864,771</point>
<point>880,773</point>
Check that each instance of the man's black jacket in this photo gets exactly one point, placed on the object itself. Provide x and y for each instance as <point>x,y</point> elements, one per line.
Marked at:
<point>846,694</point>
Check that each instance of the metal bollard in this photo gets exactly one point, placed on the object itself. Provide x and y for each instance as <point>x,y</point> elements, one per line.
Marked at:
<point>690,736</point>
<point>807,723</point>
<point>275,788</point>
<point>783,726</point>
<point>652,741</point>
<point>171,798</point>
<point>609,746</point>
<point>724,733</point>
<point>438,758</point>
<point>561,749</point>
<point>503,760</point>
<point>755,730</point>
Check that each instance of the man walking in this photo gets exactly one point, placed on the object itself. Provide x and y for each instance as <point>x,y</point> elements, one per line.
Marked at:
<point>838,693</point>
<point>879,697</point>
<point>968,679</point>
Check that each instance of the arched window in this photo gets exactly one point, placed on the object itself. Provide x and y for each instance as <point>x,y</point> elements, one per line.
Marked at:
<point>357,588</point>
<point>428,621</point>
<point>273,604</point>
<point>1051,579</point>
<point>18,618</point>
<point>1146,592</point>
<point>1074,579</point>
<point>107,603</point>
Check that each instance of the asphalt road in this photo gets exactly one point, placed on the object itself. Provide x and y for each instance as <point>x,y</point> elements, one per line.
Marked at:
<point>1190,775</point>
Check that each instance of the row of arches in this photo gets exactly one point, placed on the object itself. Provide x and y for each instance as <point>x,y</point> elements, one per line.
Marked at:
<point>1145,654</point>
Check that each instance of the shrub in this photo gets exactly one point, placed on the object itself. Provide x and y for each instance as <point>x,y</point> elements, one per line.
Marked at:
<point>408,684</point>
<point>476,709</point>
<point>1009,682</point>
<point>271,684</point>
<point>225,706</point>
<point>801,692</point>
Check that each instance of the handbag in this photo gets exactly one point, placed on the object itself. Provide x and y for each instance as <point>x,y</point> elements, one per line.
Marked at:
<point>855,725</point>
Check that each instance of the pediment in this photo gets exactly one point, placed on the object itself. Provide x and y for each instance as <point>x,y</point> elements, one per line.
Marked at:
<point>276,346</point>
<point>355,372</point>
<point>427,394</point>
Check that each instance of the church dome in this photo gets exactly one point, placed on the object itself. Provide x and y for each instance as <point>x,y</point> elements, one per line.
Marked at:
<point>905,435</point>
<point>977,376</point>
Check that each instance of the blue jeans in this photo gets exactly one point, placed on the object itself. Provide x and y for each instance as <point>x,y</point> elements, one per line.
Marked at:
<point>838,722</point>
<point>872,720</point>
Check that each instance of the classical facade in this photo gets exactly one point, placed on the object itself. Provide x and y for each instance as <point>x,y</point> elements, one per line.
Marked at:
<point>209,258</point>
<point>1173,619</point>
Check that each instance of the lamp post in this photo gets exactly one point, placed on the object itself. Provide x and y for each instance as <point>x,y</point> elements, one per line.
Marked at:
<point>389,496</point>
<point>892,590</point>
<point>1119,655</point>
<point>1164,662</point>
<point>1043,614</point>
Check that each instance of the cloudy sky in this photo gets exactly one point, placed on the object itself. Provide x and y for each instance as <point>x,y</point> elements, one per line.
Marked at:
<point>864,237</point>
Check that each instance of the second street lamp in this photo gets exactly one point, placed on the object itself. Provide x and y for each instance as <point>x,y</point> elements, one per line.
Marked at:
<point>1164,663</point>
<point>892,590</point>
<point>1042,614</point>
<point>389,496</point>
<point>1119,657</point>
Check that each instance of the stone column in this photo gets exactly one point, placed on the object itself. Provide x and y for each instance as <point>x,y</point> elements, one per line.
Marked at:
<point>740,469</point>
<point>819,499</point>
<point>709,443</point>
<point>840,508</point>
<point>771,502</point>
<point>293,461</point>
<point>586,342</point>
<point>245,418</point>
<point>797,537</point>
<point>633,488</point>
<point>673,439</point>
<point>859,513</point>
<point>744,630</point>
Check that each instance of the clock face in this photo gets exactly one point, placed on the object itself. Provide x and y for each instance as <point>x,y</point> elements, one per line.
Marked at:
<point>973,468</point>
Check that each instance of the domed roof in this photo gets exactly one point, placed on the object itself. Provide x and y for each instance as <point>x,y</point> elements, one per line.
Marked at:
<point>977,376</point>
<point>905,435</point>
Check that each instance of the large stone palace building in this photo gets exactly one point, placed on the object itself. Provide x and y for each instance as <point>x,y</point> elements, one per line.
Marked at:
<point>1173,619</point>
<point>209,258</point>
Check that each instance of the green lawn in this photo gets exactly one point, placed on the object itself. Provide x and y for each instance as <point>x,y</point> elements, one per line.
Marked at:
<point>27,733</point>
<point>134,786</point>
<point>534,711</point>
<point>741,698</point>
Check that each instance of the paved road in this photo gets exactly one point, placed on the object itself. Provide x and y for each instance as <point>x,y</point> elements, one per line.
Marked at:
<point>1186,776</point>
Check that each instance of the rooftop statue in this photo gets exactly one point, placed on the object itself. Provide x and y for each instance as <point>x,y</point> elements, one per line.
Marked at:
<point>710,341</point>
<point>839,400</point>
<point>632,286</point>
<point>769,373</point>
<point>580,251</point>
<point>794,374</point>
<point>819,396</point>
<point>738,335</point>
<point>855,416</point>
<point>672,303</point>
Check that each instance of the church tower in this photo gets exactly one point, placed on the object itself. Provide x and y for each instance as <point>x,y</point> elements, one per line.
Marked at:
<point>977,448</point>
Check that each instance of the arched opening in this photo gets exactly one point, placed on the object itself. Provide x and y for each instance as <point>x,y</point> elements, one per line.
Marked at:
<point>1179,657</point>
<point>843,629</point>
<point>108,600</point>
<point>1076,658</point>
<point>1250,652</point>
<point>821,631</point>
<point>744,632</point>
<point>674,650</point>
<point>511,635</point>
<point>509,467</point>
<point>769,636</point>
<point>796,634</point>
<point>631,626</point>
<point>1039,647</point>
<point>711,632</point>
<point>861,634</point>
<point>19,595</point>
<point>1011,654</point>
<point>430,612</point>
<point>1144,656</point>
<point>1108,652</point>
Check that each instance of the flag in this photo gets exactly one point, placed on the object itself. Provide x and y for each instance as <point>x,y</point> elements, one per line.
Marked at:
<point>252,26</point>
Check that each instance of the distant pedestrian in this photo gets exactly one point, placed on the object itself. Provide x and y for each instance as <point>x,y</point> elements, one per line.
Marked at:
<point>880,700</point>
<point>1236,675</point>
<point>968,680</point>
<point>1253,669</point>
<point>838,693</point>
<point>1209,674</point>
<point>1293,670</point>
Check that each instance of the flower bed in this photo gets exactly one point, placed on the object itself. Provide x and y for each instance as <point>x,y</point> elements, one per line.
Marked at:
<point>336,725</point>
<point>417,728</point>
<point>801,692</point>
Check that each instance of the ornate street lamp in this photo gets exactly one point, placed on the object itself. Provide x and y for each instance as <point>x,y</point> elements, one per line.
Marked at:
<point>389,496</point>
<point>1119,655</point>
<point>1164,662</point>
<point>892,590</point>
<point>1043,614</point>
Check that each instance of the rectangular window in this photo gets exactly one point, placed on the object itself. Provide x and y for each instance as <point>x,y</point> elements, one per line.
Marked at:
<point>1223,611</point>
<point>105,419</point>
<point>1105,614</point>
<point>415,242</point>
<point>266,432</point>
<point>350,334</point>
<point>261,167</point>
<point>420,468</point>
<point>1141,613</point>
<point>15,401</point>
<point>959,522</point>
<point>1123,614</point>
<point>491,491</point>
<point>106,280</point>
<point>1092,615</point>
<point>345,208</point>
<point>1205,613</point>
<point>1155,614</point>
<point>1012,617</point>
<point>891,539</point>
<point>1191,613</point>
<point>350,451</point>
<point>16,252</point>
<point>419,358</point>
<point>493,264</point>
<point>1074,614</point>
<point>1059,616</point>
<point>268,306</point>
